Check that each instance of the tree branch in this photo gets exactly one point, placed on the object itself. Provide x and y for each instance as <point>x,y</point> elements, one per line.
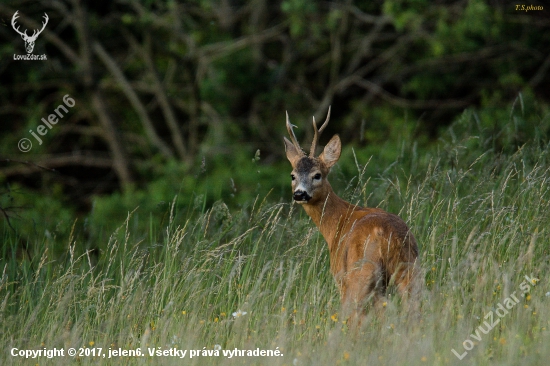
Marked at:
<point>120,160</point>
<point>405,103</point>
<point>162,98</point>
<point>49,163</point>
<point>133,98</point>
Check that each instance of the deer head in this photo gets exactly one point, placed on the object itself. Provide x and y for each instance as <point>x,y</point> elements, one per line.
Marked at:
<point>29,40</point>
<point>309,173</point>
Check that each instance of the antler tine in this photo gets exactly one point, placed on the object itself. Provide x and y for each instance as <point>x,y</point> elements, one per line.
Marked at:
<point>46,18</point>
<point>14,17</point>
<point>291,133</point>
<point>14,21</point>
<point>326,121</point>
<point>317,133</point>
<point>36,31</point>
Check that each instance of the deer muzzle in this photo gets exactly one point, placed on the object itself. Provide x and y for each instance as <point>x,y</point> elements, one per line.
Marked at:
<point>301,196</point>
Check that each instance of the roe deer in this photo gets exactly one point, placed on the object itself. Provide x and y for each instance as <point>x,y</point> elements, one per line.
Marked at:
<point>369,248</point>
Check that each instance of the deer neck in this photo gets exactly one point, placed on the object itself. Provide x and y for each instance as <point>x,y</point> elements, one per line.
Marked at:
<point>330,214</point>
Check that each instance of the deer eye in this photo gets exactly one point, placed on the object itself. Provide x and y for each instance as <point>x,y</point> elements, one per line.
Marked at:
<point>292,176</point>
<point>317,176</point>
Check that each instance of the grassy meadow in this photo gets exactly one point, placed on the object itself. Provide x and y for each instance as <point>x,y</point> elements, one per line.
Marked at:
<point>258,276</point>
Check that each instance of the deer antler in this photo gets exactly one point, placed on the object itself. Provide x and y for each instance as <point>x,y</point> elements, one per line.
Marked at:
<point>43,25</point>
<point>317,133</point>
<point>291,133</point>
<point>15,16</point>
<point>24,34</point>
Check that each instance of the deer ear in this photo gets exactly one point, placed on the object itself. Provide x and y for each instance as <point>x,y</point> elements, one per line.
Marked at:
<point>332,151</point>
<point>292,153</point>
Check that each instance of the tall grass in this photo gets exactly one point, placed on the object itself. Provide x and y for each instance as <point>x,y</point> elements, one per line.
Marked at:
<point>481,221</point>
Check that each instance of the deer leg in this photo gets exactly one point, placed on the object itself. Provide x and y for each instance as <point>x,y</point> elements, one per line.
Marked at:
<point>363,284</point>
<point>407,281</point>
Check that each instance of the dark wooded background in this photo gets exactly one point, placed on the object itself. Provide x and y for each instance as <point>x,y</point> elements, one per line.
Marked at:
<point>177,97</point>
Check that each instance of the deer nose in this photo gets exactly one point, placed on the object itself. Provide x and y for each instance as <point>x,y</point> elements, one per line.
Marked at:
<point>300,195</point>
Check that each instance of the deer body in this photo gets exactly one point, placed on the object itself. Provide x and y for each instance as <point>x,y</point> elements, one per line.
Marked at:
<point>369,248</point>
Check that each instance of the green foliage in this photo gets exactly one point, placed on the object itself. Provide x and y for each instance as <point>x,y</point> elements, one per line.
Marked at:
<point>38,221</point>
<point>234,80</point>
<point>226,72</point>
<point>299,13</point>
<point>236,179</point>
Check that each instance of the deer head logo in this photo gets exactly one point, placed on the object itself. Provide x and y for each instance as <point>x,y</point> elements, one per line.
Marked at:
<point>29,40</point>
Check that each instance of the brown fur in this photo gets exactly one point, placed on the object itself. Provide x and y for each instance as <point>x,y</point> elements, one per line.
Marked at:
<point>369,248</point>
